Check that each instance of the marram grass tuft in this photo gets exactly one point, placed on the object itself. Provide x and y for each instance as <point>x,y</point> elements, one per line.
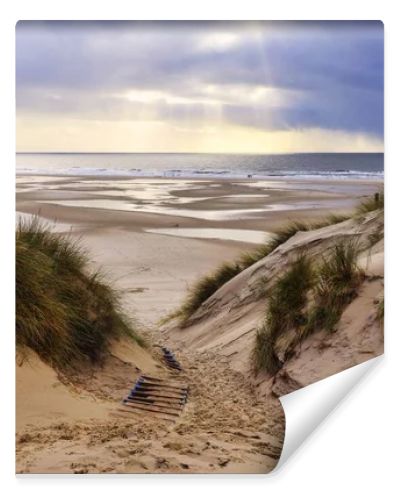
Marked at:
<point>65,313</point>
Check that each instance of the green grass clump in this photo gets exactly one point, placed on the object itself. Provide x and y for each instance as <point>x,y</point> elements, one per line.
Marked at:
<point>375,202</point>
<point>65,313</point>
<point>289,320</point>
<point>287,299</point>
<point>206,286</point>
<point>293,227</point>
<point>332,219</point>
<point>280,236</point>
<point>284,233</point>
<point>209,284</point>
<point>376,236</point>
<point>338,278</point>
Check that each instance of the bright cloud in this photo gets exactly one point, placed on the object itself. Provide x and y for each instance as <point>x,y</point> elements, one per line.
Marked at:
<point>218,41</point>
<point>153,86</point>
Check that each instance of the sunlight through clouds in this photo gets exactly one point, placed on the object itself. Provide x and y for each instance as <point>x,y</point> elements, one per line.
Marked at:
<point>205,87</point>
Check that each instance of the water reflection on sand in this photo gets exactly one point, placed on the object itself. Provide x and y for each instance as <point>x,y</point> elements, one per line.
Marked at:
<point>249,236</point>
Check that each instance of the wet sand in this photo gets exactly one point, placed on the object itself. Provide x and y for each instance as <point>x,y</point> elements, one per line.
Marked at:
<point>152,269</point>
<point>139,202</point>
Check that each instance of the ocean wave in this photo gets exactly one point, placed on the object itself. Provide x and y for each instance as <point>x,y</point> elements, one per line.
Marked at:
<point>201,173</point>
<point>333,174</point>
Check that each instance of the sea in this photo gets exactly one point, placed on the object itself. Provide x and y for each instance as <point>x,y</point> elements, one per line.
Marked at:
<point>239,166</point>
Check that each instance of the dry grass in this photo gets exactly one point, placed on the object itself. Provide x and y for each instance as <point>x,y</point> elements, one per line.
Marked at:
<point>287,299</point>
<point>375,202</point>
<point>338,280</point>
<point>289,319</point>
<point>66,314</point>
<point>205,287</point>
<point>208,285</point>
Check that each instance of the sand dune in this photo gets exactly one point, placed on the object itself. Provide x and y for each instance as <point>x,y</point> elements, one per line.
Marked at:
<point>224,427</point>
<point>43,398</point>
<point>226,323</point>
<point>233,422</point>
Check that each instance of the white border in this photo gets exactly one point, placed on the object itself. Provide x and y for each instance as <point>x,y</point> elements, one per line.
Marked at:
<point>349,456</point>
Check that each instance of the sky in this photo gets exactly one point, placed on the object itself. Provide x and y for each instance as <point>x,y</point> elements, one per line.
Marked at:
<point>201,87</point>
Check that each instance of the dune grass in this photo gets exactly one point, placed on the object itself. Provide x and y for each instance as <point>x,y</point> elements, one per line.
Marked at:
<point>338,280</point>
<point>281,235</point>
<point>332,285</point>
<point>287,231</point>
<point>206,286</point>
<point>374,202</point>
<point>287,299</point>
<point>65,313</point>
<point>209,284</point>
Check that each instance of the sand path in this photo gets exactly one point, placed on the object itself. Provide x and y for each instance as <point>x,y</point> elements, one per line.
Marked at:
<point>223,428</point>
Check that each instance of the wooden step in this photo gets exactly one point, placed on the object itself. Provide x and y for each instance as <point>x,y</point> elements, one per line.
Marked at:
<point>156,406</point>
<point>180,386</point>
<point>127,411</point>
<point>145,407</point>
<point>155,392</point>
<point>160,399</point>
<point>150,402</point>
<point>157,384</point>
<point>156,397</point>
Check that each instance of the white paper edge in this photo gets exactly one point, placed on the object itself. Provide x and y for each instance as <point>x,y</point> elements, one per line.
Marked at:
<point>305,409</point>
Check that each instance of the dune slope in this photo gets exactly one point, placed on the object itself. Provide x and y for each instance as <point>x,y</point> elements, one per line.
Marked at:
<point>226,323</point>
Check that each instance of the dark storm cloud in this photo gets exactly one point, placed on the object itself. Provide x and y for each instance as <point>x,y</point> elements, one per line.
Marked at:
<point>334,69</point>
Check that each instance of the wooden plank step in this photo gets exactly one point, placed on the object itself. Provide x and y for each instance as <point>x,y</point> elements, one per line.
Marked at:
<point>152,410</point>
<point>174,367</point>
<point>163,404</point>
<point>166,390</point>
<point>140,383</point>
<point>160,398</point>
<point>139,413</point>
<point>154,379</point>
<point>170,359</point>
<point>156,384</point>
<point>150,393</point>
<point>155,406</point>
<point>157,399</point>
<point>149,389</point>
<point>173,362</point>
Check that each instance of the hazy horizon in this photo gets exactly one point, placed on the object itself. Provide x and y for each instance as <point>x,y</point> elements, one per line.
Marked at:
<point>196,153</point>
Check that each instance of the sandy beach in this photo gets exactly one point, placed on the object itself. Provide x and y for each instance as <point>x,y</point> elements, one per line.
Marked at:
<point>153,238</point>
<point>121,222</point>
<point>199,231</point>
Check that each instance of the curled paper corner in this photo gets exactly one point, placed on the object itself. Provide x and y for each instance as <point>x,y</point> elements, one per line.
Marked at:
<point>306,408</point>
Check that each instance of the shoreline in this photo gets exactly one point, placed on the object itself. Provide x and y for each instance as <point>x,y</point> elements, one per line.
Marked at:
<point>193,192</point>
<point>256,178</point>
<point>127,244</point>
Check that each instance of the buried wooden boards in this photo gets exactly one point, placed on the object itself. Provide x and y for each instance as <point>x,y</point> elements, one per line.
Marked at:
<point>170,359</point>
<point>159,398</point>
<point>125,411</point>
